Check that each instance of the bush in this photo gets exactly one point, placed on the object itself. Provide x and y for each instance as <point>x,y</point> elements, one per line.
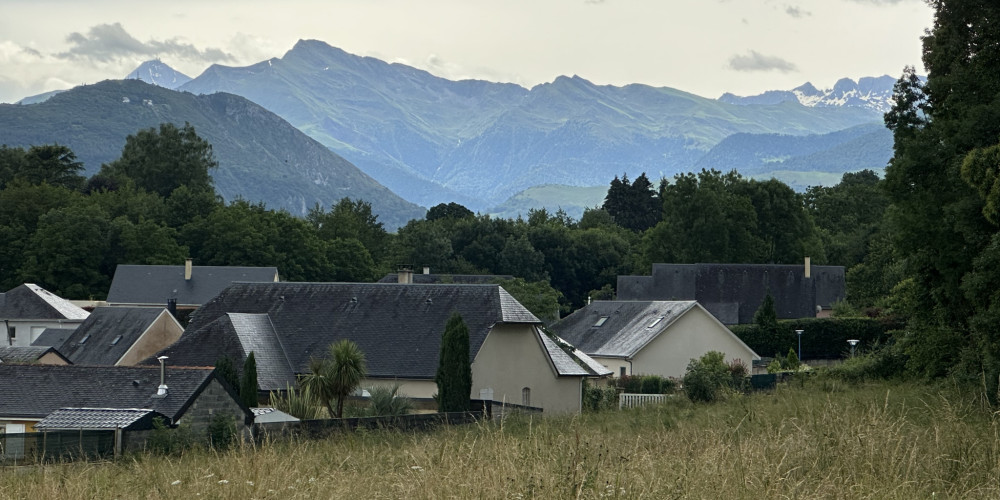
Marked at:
<point>738,373</point>
<point>599,397</point>
<point>297,403</point>
<point>707,377</point>
<point>169,441</point>
<point>646,384</point>
<point>222,431</point>
<point>882,363</point>
<point>385,401</point>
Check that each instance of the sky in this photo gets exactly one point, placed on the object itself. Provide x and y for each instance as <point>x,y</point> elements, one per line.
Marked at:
<point>706,47</point>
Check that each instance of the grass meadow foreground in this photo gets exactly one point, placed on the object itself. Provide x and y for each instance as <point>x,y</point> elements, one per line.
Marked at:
<point>818,440</point>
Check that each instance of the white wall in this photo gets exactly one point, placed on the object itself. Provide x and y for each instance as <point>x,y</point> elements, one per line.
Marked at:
<point>26,331</point>
<point>512,358</point>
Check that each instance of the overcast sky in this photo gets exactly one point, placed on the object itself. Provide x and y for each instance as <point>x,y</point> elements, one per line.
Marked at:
<point>706,47</point>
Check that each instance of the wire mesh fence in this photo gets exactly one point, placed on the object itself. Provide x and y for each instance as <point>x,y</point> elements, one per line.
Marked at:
<point>50,446</point>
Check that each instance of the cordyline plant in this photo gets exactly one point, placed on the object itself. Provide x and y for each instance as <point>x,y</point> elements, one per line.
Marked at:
<point>334,378</point>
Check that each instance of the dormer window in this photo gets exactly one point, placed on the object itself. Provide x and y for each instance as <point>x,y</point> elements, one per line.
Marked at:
<point>600,321</point>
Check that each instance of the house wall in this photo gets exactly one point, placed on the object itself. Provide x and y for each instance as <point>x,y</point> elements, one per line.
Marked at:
<point>51,358</point>
<point>512,358</point>
<point>213,399</point>
<point>418,389</point>
<point>692,335</point>
<point>163,332</point>
<point>12,425</point>
<point>615,365</point>
<point>27,330</point>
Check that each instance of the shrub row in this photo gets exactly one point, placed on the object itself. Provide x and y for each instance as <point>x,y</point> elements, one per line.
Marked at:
<point>822,338</point>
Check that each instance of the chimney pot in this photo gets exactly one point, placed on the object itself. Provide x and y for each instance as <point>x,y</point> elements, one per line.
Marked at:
<point>187,269</point>
<point>427,270</point>
<point>808,265</point>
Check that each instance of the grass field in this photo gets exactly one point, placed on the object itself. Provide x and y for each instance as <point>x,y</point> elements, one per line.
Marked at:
<point>819,439</point>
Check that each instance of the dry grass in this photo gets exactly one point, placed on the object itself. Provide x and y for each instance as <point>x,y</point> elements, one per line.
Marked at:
<point>822,440</point>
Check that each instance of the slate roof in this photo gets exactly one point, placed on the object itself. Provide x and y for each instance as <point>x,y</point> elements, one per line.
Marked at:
<point>109,332</point>
<point>30,301</point>
<point>626,329</point>
<point>458,279</point>
<point>569,361</point>
<point>398,327</point>
<point>25,354</point>
<point>34,391</point>
<point>154,285</point>
<point>99,418</point>
<point>53,337</point>
<point>734,292</point>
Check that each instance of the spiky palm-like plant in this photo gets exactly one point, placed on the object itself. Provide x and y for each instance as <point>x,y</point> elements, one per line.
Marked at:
<point>347,371</point>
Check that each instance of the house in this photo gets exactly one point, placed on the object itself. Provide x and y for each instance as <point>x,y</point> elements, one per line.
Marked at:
<point>189,286</point>
<point>28,309</point>
<point>191,395</point>
<point>41,355</point>
<point>649,337</point>
<point>734,292</point>
<point>399,329</point>
<point>120,336</point>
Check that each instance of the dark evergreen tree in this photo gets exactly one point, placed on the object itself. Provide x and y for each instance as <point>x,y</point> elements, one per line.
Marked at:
<point>766,316</point>
<point>248,384</point>
<point>454,373</point>
<point>226,370</point>
<point>633,205</point>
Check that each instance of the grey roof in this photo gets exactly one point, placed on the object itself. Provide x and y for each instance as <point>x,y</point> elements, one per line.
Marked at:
<point>25,354</point>
<point>568,361</point>
<point>734,292</point>
<point>256,334</point>
<point>30,301</point>
<point>109,332</point>
<point>627,328</point>
<point>449,279</point>
<point>398,327</point>
<point>34,391</point>
<point>99,418</point>
<point>154,285</point>
<point>53,337</point>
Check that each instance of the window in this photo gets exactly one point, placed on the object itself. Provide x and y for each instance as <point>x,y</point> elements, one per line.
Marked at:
<point>623,371</point>
<point>12,332</point>
<point>526,396</point>
<point>84,339</point>
<point>655,321</point>
<point>600,321</point>
<point>115,341</point>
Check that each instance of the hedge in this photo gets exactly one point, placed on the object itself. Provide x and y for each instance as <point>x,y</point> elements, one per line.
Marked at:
<point>822,338</point>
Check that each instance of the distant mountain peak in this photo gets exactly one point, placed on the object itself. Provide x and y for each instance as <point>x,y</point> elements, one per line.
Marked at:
<point>873,93</point>
<point>159,73</point>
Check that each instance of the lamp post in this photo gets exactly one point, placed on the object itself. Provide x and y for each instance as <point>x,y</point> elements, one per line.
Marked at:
<point>799,332</point>
<point>853,343</point>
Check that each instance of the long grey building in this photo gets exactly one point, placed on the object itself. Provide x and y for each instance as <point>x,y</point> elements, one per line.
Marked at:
<point>734,292</point>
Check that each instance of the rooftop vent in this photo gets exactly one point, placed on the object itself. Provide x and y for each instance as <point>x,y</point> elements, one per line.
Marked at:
<point>162,389</point>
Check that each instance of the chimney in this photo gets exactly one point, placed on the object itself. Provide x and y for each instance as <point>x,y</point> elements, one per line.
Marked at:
<point>808,265</point>
<point>187,269</point>
<point>172,307</point>
<point>405,275</point>
<point>162,389</point>
<point>427,270</point>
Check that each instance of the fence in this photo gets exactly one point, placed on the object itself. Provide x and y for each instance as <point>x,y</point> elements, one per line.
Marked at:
<point>626,400</point>
<point>38,447</point>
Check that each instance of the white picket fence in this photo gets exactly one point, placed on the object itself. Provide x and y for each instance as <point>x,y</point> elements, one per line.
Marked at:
<point>634,400</point>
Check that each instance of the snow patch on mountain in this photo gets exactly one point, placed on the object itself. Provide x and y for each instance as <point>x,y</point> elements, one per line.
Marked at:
<point>158,73</point>
<point>873,93</point>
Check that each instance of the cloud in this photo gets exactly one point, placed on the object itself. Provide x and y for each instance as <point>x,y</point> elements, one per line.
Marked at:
<point>755,61</point>
<point>796,12</point>
<point>110,42</point>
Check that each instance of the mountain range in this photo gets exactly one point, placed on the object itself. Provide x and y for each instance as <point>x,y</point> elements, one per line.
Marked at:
<point>502,148</point>
<point>433,140</point>
<point>261,157</point>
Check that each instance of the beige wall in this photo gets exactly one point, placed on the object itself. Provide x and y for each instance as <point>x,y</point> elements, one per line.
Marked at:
<point>164,331</point>
<point>693,334</point>
<point>615,365</point>
<point>512,358</point>
<point>421,389</point>
<point>51,358</point>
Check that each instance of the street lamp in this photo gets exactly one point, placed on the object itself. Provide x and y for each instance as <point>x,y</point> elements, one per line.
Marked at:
<point>853,343</point>
<point>799,332</point>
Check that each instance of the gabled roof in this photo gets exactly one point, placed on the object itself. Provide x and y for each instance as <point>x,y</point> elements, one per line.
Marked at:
<point>569,361</point>
<point>154,285</point>
<point>616,328</point>
<point>53,337</point>
<point>26,354</point>
<point>34,391</point>
<point>30,301</point>
<point>461,279</point>
<point>99,418</point>
<point>109,332</point>
<point>398,327</point>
